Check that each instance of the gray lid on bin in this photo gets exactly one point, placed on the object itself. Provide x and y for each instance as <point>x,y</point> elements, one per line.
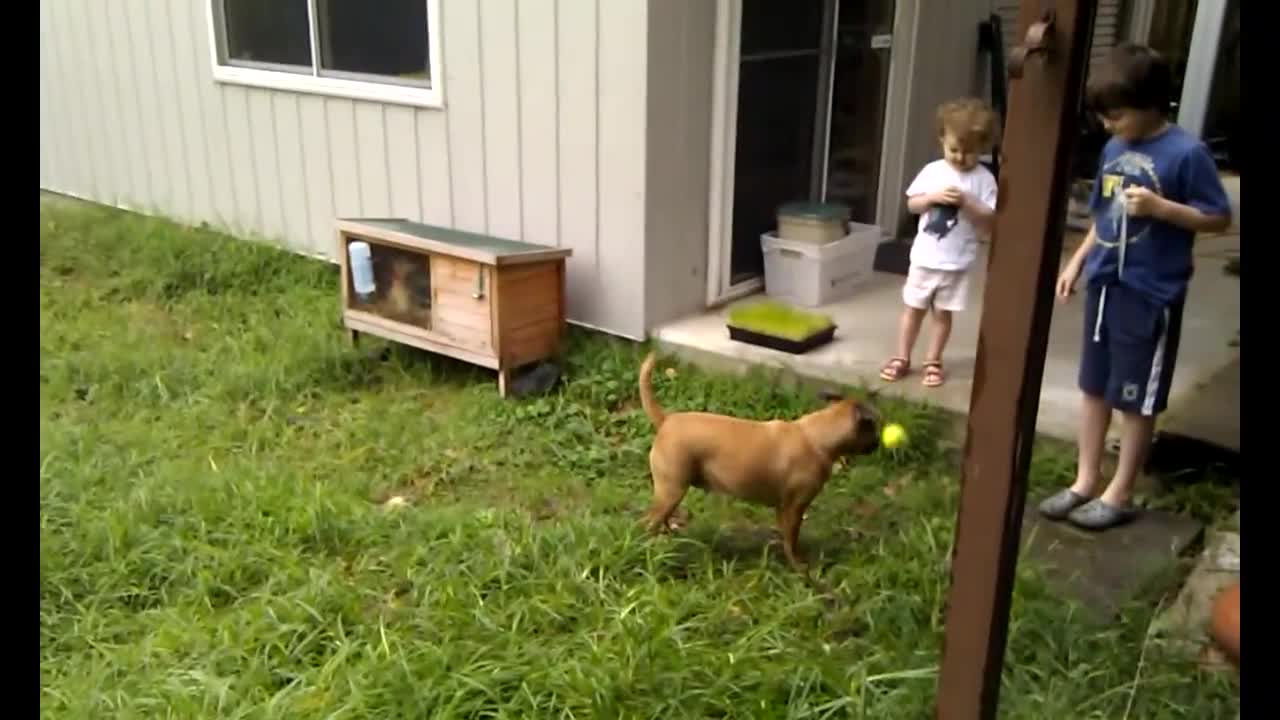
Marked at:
<point>821,212</point>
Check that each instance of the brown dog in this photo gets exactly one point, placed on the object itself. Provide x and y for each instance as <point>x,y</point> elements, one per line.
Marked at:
<point>779,463</point>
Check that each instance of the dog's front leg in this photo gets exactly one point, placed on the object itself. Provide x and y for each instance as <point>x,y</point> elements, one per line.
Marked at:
<point>790,517</point>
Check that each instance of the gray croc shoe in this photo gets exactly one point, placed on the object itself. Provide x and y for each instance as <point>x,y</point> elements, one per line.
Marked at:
<point>1098,515</point>
<point>1060,504</point>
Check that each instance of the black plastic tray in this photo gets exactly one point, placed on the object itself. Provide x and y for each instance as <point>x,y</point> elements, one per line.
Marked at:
<point>795,347</point>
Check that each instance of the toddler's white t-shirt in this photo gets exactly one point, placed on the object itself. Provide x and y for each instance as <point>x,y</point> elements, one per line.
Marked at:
<point>945,239</point>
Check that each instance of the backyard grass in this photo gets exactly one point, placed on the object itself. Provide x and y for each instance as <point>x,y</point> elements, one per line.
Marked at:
<point>213,457</point>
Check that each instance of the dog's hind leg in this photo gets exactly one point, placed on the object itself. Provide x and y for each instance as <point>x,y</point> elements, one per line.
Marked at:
<point>667,494</point>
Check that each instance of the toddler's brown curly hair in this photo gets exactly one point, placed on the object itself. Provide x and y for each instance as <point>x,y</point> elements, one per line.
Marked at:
<point>970,121</point>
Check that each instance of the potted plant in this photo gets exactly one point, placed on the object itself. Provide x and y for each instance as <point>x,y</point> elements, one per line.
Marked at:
<point>1224,624</point>
<point>779,326</point>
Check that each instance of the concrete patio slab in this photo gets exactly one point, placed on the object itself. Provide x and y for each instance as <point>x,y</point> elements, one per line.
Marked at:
<point>1211,412</point>
<point>868,327</point>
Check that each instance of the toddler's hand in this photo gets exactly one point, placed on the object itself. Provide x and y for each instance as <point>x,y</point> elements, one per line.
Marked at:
<point>950,196</point>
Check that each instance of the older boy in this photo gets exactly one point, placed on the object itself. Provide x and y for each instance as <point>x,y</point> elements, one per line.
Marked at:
<point>1157,186</point>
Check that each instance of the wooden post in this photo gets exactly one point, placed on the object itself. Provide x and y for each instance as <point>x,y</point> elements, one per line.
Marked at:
<point>1044,101</point>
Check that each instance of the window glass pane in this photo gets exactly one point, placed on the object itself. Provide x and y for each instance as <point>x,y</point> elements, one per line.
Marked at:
<point>268,31</point>
<point>390,41</point>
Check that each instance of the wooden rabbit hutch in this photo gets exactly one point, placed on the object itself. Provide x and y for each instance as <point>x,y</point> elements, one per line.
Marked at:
<point>488,301</point>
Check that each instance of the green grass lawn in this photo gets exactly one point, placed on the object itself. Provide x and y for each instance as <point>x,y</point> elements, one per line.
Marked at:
<point>213,457</point>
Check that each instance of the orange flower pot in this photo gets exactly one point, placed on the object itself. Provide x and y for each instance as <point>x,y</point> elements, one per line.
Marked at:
<point>1224,624</point>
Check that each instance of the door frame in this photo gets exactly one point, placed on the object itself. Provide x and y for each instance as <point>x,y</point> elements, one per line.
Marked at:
<point>724,121</point>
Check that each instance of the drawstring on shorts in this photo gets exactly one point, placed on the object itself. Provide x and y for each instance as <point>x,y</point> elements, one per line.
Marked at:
<point>1097,323</point>
<point>1102,297</point>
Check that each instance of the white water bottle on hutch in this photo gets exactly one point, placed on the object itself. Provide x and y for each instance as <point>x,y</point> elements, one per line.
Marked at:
<point>361,263</point>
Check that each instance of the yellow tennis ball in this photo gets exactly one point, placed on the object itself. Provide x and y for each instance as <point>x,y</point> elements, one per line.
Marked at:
<point>893,435</point>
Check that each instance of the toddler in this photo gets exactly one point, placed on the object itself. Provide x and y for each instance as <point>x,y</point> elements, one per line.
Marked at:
<point>955,198</point>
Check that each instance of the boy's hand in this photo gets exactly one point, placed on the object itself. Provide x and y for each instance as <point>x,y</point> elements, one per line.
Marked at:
<point>1141,202</point>
<point>1066,286</point>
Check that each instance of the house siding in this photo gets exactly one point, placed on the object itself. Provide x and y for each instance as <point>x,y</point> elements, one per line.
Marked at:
<point>678,174</point>
<point>941,63</point>
<point>542,136</point>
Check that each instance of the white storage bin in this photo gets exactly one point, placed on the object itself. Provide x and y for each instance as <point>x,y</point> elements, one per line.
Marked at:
<point>812,275</point>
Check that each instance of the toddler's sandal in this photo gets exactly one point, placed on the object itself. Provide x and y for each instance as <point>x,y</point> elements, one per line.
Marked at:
<point>895,369</point>
<point>933,375</point>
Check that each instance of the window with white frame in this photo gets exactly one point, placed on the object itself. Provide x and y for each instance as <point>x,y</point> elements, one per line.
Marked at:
<point>386,50</point>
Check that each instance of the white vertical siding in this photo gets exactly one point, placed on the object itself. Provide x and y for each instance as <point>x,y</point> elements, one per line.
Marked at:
<point>402,167</point>
<point>435,168</point>
<point>192,121</point>
<point>371,158</point>
<point>263,143</point>
<point>295,195</point>
<point>75,30</point>
<point>48,136</point>
<point>499,46</point>
<point>464,96</point>
<point>941,64</point>
<point>190,30</point>
<point>244,161</point>
<point>538,69</point>
<point>542,137</point>
<point>577,61</point>
<point>678,180</point>
<point>66,160</point>
<point>317,174</point>
<point>344,156</point>
<point>621,91</point>
<point>168,109</point>
<point>141,72</point>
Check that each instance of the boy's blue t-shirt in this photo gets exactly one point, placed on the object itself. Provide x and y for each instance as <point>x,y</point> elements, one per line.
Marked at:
<point>1157,257</point>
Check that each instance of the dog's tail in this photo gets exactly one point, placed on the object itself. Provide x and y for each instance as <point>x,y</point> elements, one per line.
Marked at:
<point>650,403</point>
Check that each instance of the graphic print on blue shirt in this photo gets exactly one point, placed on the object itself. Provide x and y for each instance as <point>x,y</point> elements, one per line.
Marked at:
<point>1157,255</point>
<point>941,219</point>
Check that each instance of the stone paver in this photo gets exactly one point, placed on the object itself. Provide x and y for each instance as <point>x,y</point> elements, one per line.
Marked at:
<point>1103,571</point>
<point>1184,626</point>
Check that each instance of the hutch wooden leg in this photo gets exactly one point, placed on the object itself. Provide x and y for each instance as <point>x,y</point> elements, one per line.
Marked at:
<point>504,381</point>
<point>355,338</point>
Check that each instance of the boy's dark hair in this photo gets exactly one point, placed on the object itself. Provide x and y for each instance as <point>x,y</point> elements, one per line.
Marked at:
<point>1133,77</point>
<point>971,121</point>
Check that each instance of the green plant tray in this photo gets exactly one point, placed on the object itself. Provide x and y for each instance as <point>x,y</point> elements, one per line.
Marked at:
<point>787,345</point>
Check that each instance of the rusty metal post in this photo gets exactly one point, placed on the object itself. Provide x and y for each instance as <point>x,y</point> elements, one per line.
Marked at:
<point>1044,100</point>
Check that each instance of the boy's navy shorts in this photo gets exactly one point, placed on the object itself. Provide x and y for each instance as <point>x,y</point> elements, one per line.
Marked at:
<point>1129,349</point>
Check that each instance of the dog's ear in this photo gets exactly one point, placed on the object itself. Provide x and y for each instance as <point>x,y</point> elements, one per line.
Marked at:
<point>867,413</point>
<point>828,395</point>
